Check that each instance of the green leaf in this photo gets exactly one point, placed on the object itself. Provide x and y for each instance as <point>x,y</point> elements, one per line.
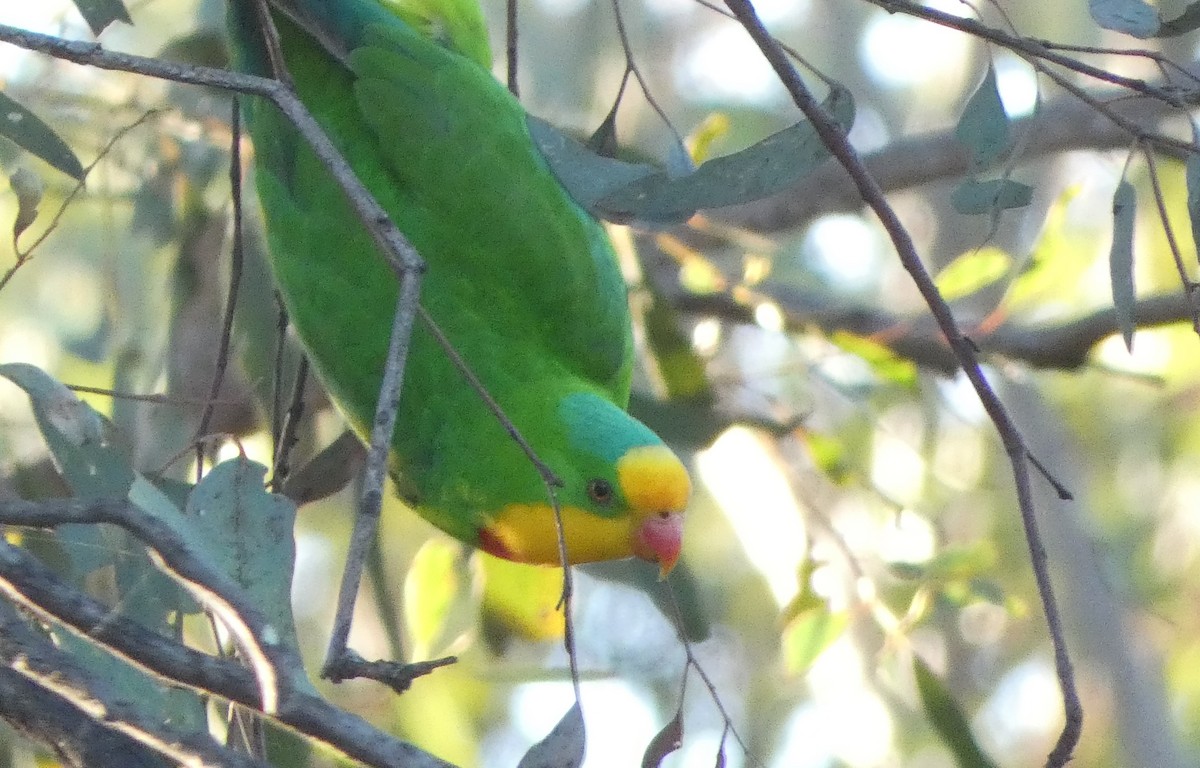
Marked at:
<point>829,454</point>
<point>885,363</point>
<point>1133,17</point>
<point>587,176</point>
<point>434,587</point>
<point>1192,177</point>
<point>1056,262</point>
<point>682,370</point>
<point>947,719</point>
<point>691,424</point>
<point>248,535</point>
<point>158,595</point>
<point>976,197</point>
<point>983,127</point>
<point>763,169</point>
<point>1120,260</point>
<point>972,272</point>
<point>74,433</point>
<point>27,186</point>
<point>100,13</point>
<point>563,747</point>
<point>95,469</point>
<point>623,192</point>
<point>1185,22</point>
<point>961,562</point>
<point>808,635</point>
<point>27,131</point>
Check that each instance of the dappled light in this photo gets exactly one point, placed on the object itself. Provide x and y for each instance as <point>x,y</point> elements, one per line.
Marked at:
<point>897,536</point>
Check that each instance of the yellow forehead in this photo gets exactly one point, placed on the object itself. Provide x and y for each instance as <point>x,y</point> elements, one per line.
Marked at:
<point>654,480</point>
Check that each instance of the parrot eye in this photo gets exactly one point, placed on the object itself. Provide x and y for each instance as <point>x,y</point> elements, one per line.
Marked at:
<point>600,491</point>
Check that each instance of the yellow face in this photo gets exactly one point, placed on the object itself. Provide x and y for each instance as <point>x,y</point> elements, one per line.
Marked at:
<point>654,489</point>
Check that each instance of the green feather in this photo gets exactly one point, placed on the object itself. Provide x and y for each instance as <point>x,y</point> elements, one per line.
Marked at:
<point>522,280</point>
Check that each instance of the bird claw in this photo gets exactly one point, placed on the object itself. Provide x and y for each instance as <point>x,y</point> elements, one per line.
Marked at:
<point>395,675</point>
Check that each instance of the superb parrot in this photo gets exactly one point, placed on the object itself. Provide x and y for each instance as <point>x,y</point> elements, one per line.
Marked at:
<point>522,280</point>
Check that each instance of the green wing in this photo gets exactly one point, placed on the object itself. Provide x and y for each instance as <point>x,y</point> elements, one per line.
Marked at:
<point>522,280</point>
<point>448,149</point>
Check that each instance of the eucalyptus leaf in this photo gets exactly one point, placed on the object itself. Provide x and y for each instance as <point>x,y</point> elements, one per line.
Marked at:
<point>762,169</point>
<point>27,131</point>
<point>563,747</point>
<point>249,536</point>
<point>666,741</point>
<point>28,188</point>
<point>809,635</point>
<point>984,125</point>
<point>74,433</point>
<point>100,13</point>
<point>1133,17</point>
<point>1192,177</point>
<point>622,192</point>
<point>947,719</point>
<point>587,176</point>
<point>978,197</point>
<point>1120,260</point>
<point>1185,22</point>
<point>973,271</point>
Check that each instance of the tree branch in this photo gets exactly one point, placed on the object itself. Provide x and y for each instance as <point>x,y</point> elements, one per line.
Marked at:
<point>839,146</point>
<point>29,583</point>
<point>1068,124</point>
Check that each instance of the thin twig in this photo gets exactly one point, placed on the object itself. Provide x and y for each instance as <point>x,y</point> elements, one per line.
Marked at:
<point>1189,284</point>
<point>236,264</point>
<point>287,436</point>
<point>510,47</point>
<point>24,255</point>
<point>181,402</point>
<point>631,66</point>
<point>832,136</point>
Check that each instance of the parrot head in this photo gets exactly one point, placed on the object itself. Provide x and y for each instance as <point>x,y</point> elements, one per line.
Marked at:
<point>623,494</point>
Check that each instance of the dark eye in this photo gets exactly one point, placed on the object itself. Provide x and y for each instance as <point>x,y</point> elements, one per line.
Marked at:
<point>600,491</point>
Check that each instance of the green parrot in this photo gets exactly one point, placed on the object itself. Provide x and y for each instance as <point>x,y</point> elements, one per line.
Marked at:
<point>522,280</point>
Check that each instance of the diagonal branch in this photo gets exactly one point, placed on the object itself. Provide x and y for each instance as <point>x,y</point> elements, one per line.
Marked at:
<point>27,582</point>
<point>838,144</point>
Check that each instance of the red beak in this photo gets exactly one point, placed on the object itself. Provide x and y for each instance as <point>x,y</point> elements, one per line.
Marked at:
<point>659,539</point>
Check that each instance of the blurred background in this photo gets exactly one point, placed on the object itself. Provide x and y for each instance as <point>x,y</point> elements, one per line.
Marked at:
<point>854,509</point>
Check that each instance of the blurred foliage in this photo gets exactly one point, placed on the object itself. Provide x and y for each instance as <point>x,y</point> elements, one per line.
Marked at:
<point>856,585</point>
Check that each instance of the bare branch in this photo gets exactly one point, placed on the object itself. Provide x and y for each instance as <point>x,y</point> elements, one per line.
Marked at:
<point>24,579</point>
<point>833,138</point>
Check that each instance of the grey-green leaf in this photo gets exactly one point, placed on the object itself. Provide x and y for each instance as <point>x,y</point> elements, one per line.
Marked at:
<point>1120,260</point>
<point>1133,17</point>
<point>624,192</point>
<point>74,433</point>
<point>1192,177</point>
<point>763,169</point>
<point>947,719</point>
<point>1185,22</point>
<point>983,127</point>
<point>563,747</point>
<point>100,13</point>
<point>978,197</point>
<point>587,176</point>
<point>30,133</point>
<point>27,186</point>
<point>249,536</point>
